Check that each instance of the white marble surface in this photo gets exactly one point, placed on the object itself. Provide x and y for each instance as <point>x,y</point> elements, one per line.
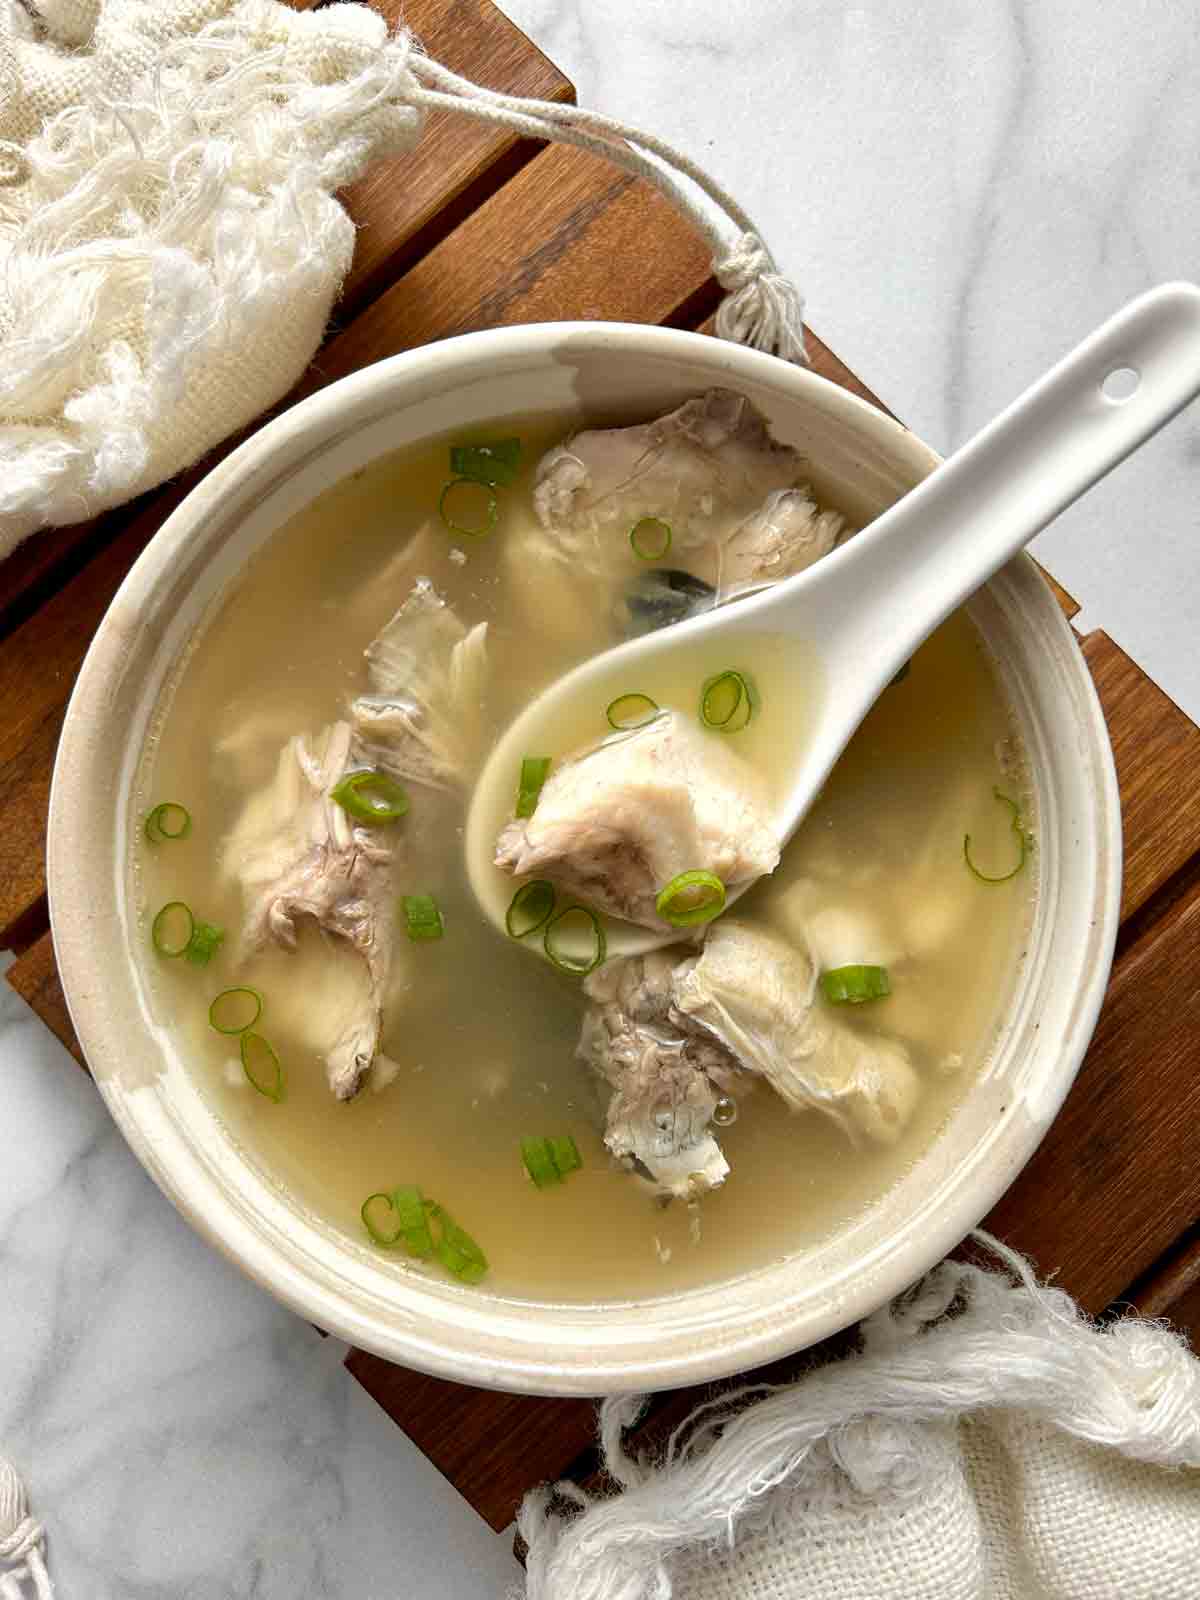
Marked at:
<point>180,1433</point>
<point>962,190</point>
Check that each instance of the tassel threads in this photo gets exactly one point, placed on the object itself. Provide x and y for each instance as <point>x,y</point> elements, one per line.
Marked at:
<point>22,1538</point>
<point>761,308</point>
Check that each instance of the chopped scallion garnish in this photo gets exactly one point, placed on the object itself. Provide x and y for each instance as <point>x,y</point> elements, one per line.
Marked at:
<point>167,821</point>
<point>533,775</point>
<point>235,1010</point>
<point>423,916</point>
<point>261,1065</point>
<point>495,462</point>
<point>650,538</point>
<point>548,1160</point>
<point>410,1207</point>
<point>631,711</point>
<point>1024,844</point>
<point>379,1219</point>
<point>455,1248</point>
<point>854,984</point>
<point>469,508</point>
<point>529,908</point>
<point>727,702</point>
<point>370,796</point>
<point>204,943</point>
<point>574,941</point>
<point>172,928</point>
<point>691,898</point>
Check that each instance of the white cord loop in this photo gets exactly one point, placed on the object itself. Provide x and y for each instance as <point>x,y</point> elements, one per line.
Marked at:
<point>22,1540</point>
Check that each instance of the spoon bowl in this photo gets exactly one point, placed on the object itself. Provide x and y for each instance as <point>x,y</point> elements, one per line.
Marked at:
<point>860,613</point>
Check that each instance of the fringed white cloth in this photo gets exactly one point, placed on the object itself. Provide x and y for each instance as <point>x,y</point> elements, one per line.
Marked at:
<point>22,1542</point>
<point>986,1443</point>
<point>170,241</point>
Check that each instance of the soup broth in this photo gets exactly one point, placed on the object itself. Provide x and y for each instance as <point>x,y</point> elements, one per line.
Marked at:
<point>479,1034</point>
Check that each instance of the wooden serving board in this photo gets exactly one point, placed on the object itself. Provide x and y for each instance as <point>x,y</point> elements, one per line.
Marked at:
<point>478,229</point>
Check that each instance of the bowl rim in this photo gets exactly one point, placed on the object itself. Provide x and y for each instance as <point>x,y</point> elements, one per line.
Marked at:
<point>647,1358</point>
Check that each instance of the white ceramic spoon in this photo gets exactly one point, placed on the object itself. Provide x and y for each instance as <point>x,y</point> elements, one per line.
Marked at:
<point>865,608</point>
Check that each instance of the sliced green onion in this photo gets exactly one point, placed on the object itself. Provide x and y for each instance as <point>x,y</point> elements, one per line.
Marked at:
<point>376,1211</point>
<point>852,985</point>
<point>650,538</point>
<point>727,702</point>
<point>455,1248</point>
<point>261,1065</point>
<point>172,928</point>
<point>1024,844</point>
<point>566,1154</point>
<point>564,930</point>
<point>204,943</point>
<point>423,916</point>
<point>235,1010</point>
<point>495,462</point>
<point>370,796</point>
<point>539,1162</point>
<point>529,908</point>
<point>169,820</point>
<point>691,897</point>
<point>411,1209</point>
<point>529,788</point>
<point>631,711</point>
<point>477,503</point>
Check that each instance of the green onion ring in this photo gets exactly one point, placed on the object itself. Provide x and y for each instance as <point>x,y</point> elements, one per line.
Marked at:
<point>387,1240</point>
<point>685,887</point>
<point>650,538</point>
<point>853,985</point>
<point>204,943</point>
<point>529,908</point>
<point>228,1000</point>
<point>1024,844</point>
<point>558,956</point>
<point>370,796</point>
<point>492,514</point>
<point>160,929</point>
<point>455,1248</point>
<point>261,1065</point>
<point>566,1154</point>
<point>423,916</point>
<point>631,711</point>
<point>158,824</point>
<point>539,1162</point>
<point>411,1208</point>
<point>726,702</point>
<point>529,786</point>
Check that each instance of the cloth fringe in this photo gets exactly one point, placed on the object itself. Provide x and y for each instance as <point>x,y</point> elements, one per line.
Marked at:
<point>964,1342</point>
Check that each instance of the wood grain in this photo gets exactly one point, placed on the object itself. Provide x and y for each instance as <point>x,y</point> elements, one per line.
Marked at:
<point>35,978</point>
<point>1174,1283</point>
<point>1116,1180</point>
<point>492,1447</point>
<point>606,247</point>
<point>1157,752</point>
<point>403,206</point>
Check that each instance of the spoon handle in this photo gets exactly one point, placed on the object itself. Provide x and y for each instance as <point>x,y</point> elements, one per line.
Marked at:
<point>887,589</point>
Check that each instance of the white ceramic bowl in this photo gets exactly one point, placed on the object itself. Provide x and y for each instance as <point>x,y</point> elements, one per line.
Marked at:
<point>861,461</point>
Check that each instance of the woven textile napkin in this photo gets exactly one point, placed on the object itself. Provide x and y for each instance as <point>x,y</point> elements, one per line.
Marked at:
<point>167,173</point>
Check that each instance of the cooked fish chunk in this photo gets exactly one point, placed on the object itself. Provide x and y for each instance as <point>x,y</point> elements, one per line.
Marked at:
<point>735,499</point>
<point>421,719</point>
<point>664,1084</point>
<point>298,856</point>
<point>618,822</point>
<point>787,533</point>
<point>755,995</point>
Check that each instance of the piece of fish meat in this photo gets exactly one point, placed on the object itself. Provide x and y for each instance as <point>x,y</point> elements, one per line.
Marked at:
<point>617,823</point>
<point>300,857</point>
<point>735,499</point>
<point>755,994</point>
<point>421,720</point>
<point>664,1084</point>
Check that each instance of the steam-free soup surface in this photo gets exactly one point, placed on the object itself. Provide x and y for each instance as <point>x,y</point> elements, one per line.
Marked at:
<point>479,1034</point>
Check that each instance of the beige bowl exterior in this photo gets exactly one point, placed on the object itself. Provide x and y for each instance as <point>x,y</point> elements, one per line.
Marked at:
<point>862,461</point>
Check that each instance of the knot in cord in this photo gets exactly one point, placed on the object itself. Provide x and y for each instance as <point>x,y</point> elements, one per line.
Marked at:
<point>28,1535</point>
<point>761,307</point>
<point>22,1538</point>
